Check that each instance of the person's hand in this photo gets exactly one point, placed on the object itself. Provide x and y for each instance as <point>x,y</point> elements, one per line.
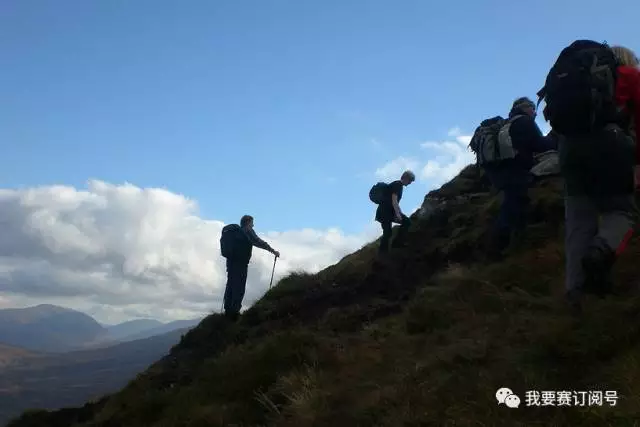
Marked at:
<point>276,253</point>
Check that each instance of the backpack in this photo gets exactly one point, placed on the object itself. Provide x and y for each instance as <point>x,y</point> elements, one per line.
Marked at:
<point>491,141</point>
<point>378,192</point>
<point>580,88</point>
<point>229,239</point>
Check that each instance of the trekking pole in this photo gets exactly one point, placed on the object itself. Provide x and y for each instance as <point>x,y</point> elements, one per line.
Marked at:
<point>275,258</point>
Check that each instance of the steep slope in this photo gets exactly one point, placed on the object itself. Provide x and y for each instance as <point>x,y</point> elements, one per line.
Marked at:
<point>48,328</point>
<point>122,330</point>
<point>425,340</point>
<point>58,380</point>
<point>161,329</point>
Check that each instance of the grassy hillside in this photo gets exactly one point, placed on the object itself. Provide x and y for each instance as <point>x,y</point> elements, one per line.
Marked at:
<point>423,340</point>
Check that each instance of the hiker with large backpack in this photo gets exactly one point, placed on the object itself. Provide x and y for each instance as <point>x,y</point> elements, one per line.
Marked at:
<point>387,197</point>
<point>592,93</point>
<point>505,149</point>
<point>236,245</point>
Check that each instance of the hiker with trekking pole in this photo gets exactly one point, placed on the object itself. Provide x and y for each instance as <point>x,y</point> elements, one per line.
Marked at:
<point>236,245</point>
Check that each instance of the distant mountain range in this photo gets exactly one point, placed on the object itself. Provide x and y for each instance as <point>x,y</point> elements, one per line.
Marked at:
<point>51,357</point>
<point>32,380</point>
<point>160,328</point>
<point>49,328</point>
<point>53,329</point>
<point>122,330</point>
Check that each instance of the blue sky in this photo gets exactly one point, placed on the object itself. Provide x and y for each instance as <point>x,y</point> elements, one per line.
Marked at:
<point>282,109</point>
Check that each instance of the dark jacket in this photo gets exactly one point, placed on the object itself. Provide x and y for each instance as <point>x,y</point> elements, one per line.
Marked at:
<point>600,164</point>
<point>244,249</point>
<point>527,140</point>
<point>385,211</point>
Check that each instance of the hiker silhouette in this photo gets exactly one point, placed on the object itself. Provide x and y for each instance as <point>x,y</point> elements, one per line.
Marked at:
<point>236,244</point>
<point>387,197</point>
<point>505,149</point>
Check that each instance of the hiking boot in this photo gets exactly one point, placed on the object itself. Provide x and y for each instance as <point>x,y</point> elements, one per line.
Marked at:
<point>572,299</point>
<point>382,259</point>
<point>231,316</point>
<point>597,264</point>
<point>517,241</point>
<point>494,255</point>
<point>498,241</point>
<point>575,307</point>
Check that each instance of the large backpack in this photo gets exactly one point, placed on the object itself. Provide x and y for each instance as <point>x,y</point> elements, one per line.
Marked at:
<point>491,141</point>
<point>580,89</point>
<point>378,192</point>
<point>231,236</point>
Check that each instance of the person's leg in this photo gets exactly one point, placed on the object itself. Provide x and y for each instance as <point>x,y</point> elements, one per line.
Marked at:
<point>386,236</point>
<point>616,228</point>
<point>399,240</point>
<point>581,225</point>
<point>241,285</point>
<point>616,204</point>
<point>228,290</point>
<point>237,288</point>
<point>501,230</point>
<point>498,238</point>
<point>517,206</point>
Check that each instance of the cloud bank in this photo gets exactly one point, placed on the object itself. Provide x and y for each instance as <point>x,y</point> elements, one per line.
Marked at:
<point>119,252</point>
<point>440,162</point>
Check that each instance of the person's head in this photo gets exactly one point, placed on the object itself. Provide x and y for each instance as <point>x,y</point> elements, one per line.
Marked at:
<point>625,56</point>
<point>524,105</point>
<point>407,178</point>
<point>246,221</point>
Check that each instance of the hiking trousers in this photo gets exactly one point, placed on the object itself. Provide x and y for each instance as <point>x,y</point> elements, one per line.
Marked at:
<point>512,217</point>
<point>598,172</point>
<point>236,285</point>
<point>387,232</point>
<point>583,230</point>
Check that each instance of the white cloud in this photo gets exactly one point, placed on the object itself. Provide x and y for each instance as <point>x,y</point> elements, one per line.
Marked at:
<point>456,131</point>
<point>394,168</point>
<point>445,160</point>
<point>120,251</point>
<point>451,157</point>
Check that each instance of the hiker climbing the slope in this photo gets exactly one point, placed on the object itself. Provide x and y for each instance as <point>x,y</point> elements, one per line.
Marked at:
<point>236,243</point>
<point>388,197</point>
<point>598,157</point>
<point>505,149</point>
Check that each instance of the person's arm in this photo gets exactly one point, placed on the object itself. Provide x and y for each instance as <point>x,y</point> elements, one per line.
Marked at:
<point>532,133</point>
<point>552,139</point>
<point>396,206</point>
<point>258,242</point>
<point>527,136</point>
